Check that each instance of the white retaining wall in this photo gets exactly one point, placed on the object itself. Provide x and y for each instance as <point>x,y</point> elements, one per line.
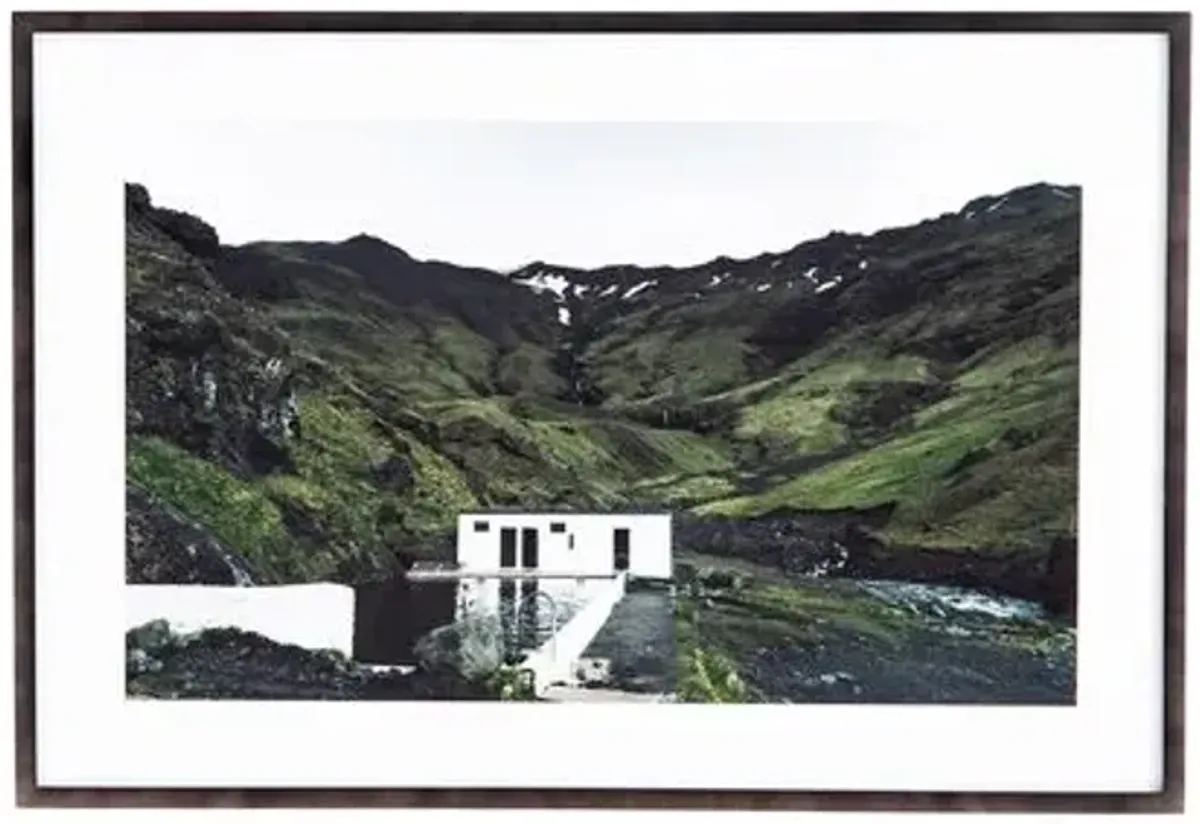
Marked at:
<point>554,660</point>
<point>315,616</point>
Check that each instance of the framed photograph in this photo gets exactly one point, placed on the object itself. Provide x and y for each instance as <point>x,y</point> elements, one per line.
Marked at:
<point>739,410</point>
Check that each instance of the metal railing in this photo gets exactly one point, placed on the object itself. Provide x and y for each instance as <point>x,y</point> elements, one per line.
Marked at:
<point>534,594</point>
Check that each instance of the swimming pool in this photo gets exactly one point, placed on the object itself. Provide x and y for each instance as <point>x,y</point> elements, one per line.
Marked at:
<point>529,610</point>
<point>391,617</point>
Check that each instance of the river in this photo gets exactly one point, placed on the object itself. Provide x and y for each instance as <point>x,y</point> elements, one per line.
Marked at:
<point>880,641</point>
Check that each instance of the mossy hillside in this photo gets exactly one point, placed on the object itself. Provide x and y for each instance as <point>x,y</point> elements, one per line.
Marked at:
<point>537,455</point>
<point>427,328</point>
<point>330,517</point>
<point>800,414</point>
<point>527,369</point>
<point>344,451</point>
<point>935,380</point>
<point>691,351</point>
<point>236,511</point>
<point>991,466</point>
<point>424,359</point>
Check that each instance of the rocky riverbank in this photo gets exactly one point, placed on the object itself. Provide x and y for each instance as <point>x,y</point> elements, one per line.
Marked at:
<point>841,545</point>
<point>831,640</point>
<point>230,663</point>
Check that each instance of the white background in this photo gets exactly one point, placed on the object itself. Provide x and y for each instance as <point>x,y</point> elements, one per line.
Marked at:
<point>1109,93</point>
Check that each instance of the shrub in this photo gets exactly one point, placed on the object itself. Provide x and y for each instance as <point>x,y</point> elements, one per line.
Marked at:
<point>710,678</point>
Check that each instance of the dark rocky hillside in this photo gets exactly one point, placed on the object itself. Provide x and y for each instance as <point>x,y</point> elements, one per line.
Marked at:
<point>311,407</point>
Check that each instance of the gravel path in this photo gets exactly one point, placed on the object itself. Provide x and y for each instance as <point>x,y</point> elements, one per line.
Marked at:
<point>639,641</point>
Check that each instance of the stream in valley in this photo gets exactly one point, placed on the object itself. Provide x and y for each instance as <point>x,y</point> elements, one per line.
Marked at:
<point>878,641</point>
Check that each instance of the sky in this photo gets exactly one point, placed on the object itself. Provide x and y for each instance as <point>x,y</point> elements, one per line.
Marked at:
<point>503,194</point>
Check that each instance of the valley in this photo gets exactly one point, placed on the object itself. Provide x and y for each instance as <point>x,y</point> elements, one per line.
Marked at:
<point>900,406</point>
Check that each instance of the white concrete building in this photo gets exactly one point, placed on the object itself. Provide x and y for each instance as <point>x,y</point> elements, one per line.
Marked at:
<point>568,544</point>
<point>554,578</point>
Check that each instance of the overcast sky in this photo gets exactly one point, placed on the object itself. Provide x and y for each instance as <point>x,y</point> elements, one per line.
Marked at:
<point>584,194</point>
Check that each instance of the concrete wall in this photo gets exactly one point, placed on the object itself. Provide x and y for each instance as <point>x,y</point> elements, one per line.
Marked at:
<point>585,547</point>
<point>315,616</point>
<point>555,659</point>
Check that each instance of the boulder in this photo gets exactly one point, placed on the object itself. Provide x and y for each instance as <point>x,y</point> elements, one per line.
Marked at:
<point>472,647</point>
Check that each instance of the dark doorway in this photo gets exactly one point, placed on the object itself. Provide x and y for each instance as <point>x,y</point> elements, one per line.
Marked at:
<point>509,627</point>
<point>620,549</point>
<point>527,615</point>
<point>529,548</point>
<point>508,547</point>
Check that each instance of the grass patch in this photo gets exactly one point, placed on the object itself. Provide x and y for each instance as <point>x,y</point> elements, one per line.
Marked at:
<point>706,675</point>
<point>657,360</point>
<point>991,466</point>
<point>798,414</point>
<point>237,512</point>
<point>536,455</point>
<point>439,494</point>
<point>674,490</point>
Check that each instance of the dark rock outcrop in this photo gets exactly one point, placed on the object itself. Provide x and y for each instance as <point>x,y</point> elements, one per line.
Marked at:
<point>840,545</point>
<point>1061,580</point>
<point>192,234</point>
<point>164,547</point>
<point>233,664</point>
<point>394,474</point>
<point>803,544</point>
<point>1021,573</point>
<point>201,370</point>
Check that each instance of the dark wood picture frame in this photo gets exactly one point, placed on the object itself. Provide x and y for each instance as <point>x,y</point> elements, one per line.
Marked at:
<point>1175,26</point>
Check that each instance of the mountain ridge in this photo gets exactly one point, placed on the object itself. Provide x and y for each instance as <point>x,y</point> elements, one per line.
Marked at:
<point>1036,189</point>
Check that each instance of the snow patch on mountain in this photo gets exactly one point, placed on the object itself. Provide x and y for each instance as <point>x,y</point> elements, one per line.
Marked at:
<point>829,284</point>
<point>546,282</point>
<point>641,287</point>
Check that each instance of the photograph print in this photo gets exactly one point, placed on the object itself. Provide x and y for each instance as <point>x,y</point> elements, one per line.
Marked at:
<point>602,412</point>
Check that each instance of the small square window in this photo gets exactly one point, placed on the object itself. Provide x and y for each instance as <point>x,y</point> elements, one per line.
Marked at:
<point>558,526</point>
<point>481,526</point>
